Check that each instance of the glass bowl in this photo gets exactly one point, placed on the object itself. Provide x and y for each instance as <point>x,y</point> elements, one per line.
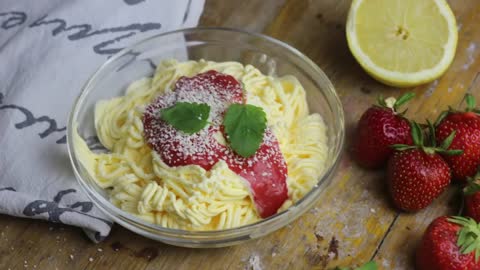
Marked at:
<point>269,55</point>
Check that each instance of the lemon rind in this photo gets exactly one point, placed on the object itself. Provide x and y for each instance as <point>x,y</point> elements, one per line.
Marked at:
<point>403,79</point>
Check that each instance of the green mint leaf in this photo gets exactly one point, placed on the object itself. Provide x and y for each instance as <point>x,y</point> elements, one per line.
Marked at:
<point>187,117</point>
<point>245,125</point>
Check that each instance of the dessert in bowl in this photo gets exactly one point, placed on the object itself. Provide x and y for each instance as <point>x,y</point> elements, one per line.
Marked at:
<point>206,137</point>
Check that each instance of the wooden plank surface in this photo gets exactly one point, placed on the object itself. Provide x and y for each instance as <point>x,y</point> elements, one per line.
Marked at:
<point>354,221</point>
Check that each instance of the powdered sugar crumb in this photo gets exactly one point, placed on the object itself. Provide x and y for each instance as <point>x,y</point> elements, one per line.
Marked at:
<point>385,263</point>
<point>253,263</point>
<point>331,255</point>
<point>470,55</point>
<point>431,88</point>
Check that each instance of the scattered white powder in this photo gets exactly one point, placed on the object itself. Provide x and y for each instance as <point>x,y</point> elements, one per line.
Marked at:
<point>331,255</point>
<point>431,88</point>
<point>470,55</point>
<point>253,263</point>
<point>346,219</point>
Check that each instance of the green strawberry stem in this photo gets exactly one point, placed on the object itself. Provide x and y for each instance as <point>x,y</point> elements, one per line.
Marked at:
<point>468,236</point>
<point>473,184</point>
<point>431,130</point>
<point>368,266</point>
<point>418,141</point>
<point>469,100</point>
<point>403,99</point>
<point>393,103</point>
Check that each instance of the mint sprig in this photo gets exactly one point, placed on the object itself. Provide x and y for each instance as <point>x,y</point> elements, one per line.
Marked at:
<point>245,125</point>
<point>187,117</point>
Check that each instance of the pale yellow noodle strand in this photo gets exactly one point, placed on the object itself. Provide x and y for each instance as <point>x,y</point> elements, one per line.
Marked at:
<point>188,197</point>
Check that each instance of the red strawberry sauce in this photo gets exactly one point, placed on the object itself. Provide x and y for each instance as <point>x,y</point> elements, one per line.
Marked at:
<point>266,171</point>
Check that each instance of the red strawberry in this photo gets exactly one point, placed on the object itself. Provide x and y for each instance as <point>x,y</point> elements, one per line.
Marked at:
<point>472,197</point>
<point>416,175</point>
<point>467,138</point>
<point>450,243</point>
<point>379,127</point>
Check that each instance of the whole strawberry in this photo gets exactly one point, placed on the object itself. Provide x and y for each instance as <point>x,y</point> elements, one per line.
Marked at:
<point>466,125</point>
<point>472,197</point>
<point>379,127</point>
<point>416,175</point>
<point>450,243</point>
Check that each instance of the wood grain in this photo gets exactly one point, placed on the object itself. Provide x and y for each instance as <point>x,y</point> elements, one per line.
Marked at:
<point>354,221</point>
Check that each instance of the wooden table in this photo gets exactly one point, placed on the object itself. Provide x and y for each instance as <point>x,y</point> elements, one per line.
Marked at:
<point>353,223</point>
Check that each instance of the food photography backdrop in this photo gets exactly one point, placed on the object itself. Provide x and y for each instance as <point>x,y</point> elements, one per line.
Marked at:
<point>49,50</point>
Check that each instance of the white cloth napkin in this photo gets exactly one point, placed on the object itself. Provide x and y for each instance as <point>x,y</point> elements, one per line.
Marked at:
<point>48,49</point>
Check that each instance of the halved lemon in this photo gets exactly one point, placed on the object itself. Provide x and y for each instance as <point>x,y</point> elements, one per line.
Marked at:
<point>402,42</point>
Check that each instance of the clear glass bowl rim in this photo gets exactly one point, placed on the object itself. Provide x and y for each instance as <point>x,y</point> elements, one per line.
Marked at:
<point>128,220</point>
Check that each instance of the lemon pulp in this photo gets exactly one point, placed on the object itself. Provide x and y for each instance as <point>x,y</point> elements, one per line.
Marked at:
<point>402,42</point>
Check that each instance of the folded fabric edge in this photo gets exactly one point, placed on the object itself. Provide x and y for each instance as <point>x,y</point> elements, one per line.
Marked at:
<point>19,204</point>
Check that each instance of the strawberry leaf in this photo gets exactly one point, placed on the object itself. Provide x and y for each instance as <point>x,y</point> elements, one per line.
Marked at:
<point>187,117</point>
<point>441,117</point>
<point>402,147</point>
<point>471,189</point>
<point>431,130</point>
<point>472,186</point>
<point>245,125</point>
<point>368,266</point>
<point>454,152</point>
<point>448,141</point>
<point>470,100</point>
<point>381,101</point>
<point>468,239</point>
<point>417,134</point>
<point>403,99</point>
